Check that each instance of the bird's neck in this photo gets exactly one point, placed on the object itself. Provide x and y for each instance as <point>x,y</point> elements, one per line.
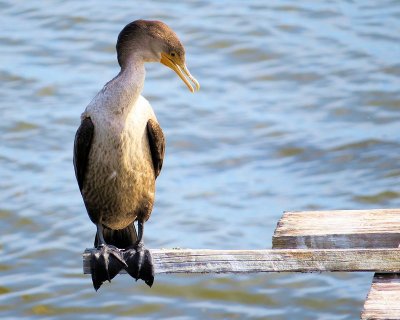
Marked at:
<point>126,87</point>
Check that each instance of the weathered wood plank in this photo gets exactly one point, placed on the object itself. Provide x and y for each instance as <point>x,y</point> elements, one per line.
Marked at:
<point>338,229</point>
<point>275,260</point>
<point>383,300</point>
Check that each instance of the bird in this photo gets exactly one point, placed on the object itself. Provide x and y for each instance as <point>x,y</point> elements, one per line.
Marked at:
<point>119,150</point>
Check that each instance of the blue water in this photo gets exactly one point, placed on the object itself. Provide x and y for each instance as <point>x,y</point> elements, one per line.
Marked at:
<point>298,109</point>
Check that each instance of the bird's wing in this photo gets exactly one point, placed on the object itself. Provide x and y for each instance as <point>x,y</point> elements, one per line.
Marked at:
<point>83,142</point>
<point>157,145</point>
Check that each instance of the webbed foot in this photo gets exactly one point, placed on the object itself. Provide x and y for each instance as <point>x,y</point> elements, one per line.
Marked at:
<point>140,264</point>
<point>106,264</point>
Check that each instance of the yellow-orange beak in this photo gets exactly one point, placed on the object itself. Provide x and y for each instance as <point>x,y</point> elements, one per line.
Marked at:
<point>180,68</point>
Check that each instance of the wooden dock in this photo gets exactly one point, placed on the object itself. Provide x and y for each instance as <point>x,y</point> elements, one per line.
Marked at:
<point>311,241</point>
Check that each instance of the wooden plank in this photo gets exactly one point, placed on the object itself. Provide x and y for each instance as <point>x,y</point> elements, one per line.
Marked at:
<point>275,260</point>
<point>383,300</point>
<point>338,229</point>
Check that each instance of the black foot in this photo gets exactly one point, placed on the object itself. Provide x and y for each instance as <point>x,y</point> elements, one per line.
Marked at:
<point>140,264</point>
<point>106,264</point>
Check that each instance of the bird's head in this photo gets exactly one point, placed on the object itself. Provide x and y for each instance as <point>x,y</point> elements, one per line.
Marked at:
<point>154,41</point>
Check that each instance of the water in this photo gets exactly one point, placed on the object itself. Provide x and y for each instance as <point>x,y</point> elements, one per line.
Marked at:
<point>299,109</point>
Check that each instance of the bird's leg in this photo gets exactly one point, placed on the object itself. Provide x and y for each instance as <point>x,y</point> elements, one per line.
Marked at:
<point>139,260</point>
<point>106,262</point>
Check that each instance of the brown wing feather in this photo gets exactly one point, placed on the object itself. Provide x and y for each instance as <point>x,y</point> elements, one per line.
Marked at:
<point>157,145</point>
<point>82,145</point>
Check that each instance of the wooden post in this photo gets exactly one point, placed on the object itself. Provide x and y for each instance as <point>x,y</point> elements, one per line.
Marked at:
<point>383,300</point>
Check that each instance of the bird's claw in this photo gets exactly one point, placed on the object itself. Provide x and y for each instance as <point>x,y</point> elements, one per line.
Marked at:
<point>140,264</point>
<point>105,264</point>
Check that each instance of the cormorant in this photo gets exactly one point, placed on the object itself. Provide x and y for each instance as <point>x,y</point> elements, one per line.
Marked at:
<point>119,150</point>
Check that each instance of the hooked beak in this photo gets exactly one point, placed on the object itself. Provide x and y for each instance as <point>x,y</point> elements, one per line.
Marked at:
<point>181,69</point>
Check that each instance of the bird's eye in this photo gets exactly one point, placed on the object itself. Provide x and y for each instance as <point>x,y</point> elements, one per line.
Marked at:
<point>173,54</point>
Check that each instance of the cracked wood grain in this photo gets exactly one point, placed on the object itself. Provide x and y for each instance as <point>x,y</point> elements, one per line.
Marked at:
<point>338,229</point>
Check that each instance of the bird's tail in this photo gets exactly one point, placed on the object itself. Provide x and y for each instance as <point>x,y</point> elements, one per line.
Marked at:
<point>122,238</point>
